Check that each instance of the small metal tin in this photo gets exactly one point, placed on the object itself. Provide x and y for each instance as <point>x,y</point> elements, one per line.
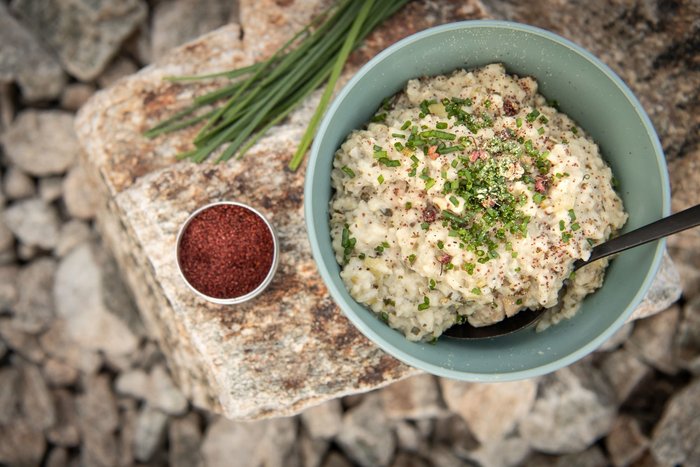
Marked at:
<point>253,293</point>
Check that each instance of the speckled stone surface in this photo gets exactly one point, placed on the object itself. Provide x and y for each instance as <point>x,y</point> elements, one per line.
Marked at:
<point>291,347</point>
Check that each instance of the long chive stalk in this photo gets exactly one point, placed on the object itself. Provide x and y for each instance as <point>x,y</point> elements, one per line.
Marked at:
<point>238,114</point>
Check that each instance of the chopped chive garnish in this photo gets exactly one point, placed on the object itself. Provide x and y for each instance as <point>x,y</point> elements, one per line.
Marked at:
<point>398,146</point>
<point>425,305</point>
<point>378,154</point>
<point>544,120</point>
<point>574,130</point>
<point>538,198</point>
<point>487,103</point>
<point>532,115</point>
<point>406,125</point>
<point>572,215</point>
<point>590,241</point>
<point>429,182</point>
<point>519,301</point>
<point>540,130</point>
<point>439,134</point>
<point>348,171</point>
<point>379,117</point>
<point>454,200</point>
<point>347,242</point>
<point>408,205</point>
<point>566,236</point>
<point>432,284</point>
<point>441,125</point>
<point>411,258</point>
<point>361,256</point>
<point>380,179</point>
<point>476,291</point>
<point>389,162</point>
<point>517,269</point>
<point>440,244</point>
<point>562,226</point>
<point>518,122</point>
<point>384,316</point>
<point>424,225</point>
<point>469,267</point>
<point>449,149</point>
<point>575,226</point>
<point>398,135</point>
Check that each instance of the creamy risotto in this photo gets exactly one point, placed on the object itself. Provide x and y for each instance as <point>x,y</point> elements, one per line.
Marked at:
<point>468,198</point>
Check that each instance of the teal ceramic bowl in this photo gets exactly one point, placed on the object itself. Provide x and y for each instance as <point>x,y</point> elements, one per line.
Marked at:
<point>590,93</point>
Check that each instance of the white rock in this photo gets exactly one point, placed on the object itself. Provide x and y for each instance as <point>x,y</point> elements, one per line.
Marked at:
<point>413,398</point>
<point>408,437</point>
<point>79,194</point>
<point>150,433</point>
<point>250,444</point>
<point>34,310</point>
<point>50,188</point>
<point>116,70</point>
<point>156,388</point>
<point>84,34</point>
<point>27,252</point>
<point>491,410</point>
<point>65,431</point>
<point>625,371</point>
<point>36,401</point>
<point>41,142</point>
<point>26,61</point>
<point>663,291</point>
<point>98,419</point>
<point>34,222</point>
<point>9,292</point>
<point>18,184</point>
<point>58,343</point>
<point>58,457</point>
<point>509,452</point>
<point>676,438</point>
<point>582,404</point>
<point>176,22</point>
<point>20,444</point>
<point>75,95</point>
<point>652,339</point>
<point>324,420</point>
<point>366,435</point>
<point>9,394</point>
<point>185,439</point>
<point>80,301</point>
<point>625,442</point>
<point>7,239</point>
<point>312,450</point>
<point>58,373</point>
<point>21,342</point>
<point>73,233</point>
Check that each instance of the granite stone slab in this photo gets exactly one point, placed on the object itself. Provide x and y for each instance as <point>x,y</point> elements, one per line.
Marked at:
<point>290,348</point>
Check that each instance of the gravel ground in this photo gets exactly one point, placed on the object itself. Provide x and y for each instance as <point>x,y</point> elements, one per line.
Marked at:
<point>81,382</point>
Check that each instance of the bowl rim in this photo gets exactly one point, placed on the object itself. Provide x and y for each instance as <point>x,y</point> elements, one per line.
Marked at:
<point>400,354</point>
<point>270,273</point>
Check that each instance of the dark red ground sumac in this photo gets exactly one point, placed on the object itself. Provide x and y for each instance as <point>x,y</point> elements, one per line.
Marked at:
<point>226,251</point>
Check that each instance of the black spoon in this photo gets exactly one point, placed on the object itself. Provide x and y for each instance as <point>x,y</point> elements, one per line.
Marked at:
<point>662,228</point>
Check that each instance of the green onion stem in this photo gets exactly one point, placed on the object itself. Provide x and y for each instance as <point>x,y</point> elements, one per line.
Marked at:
<point>330,86</point>
<point>261,95</point>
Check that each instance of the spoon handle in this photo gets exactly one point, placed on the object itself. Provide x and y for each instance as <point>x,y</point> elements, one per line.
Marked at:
<point>662,228</point>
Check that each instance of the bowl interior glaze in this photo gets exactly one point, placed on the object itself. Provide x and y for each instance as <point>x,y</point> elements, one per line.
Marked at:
<point>590,93</point>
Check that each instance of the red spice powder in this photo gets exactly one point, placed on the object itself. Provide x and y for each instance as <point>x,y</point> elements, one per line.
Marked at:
<point>226,251</point>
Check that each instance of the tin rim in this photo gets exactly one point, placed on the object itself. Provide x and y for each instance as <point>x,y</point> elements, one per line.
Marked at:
<point>253,293</point>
